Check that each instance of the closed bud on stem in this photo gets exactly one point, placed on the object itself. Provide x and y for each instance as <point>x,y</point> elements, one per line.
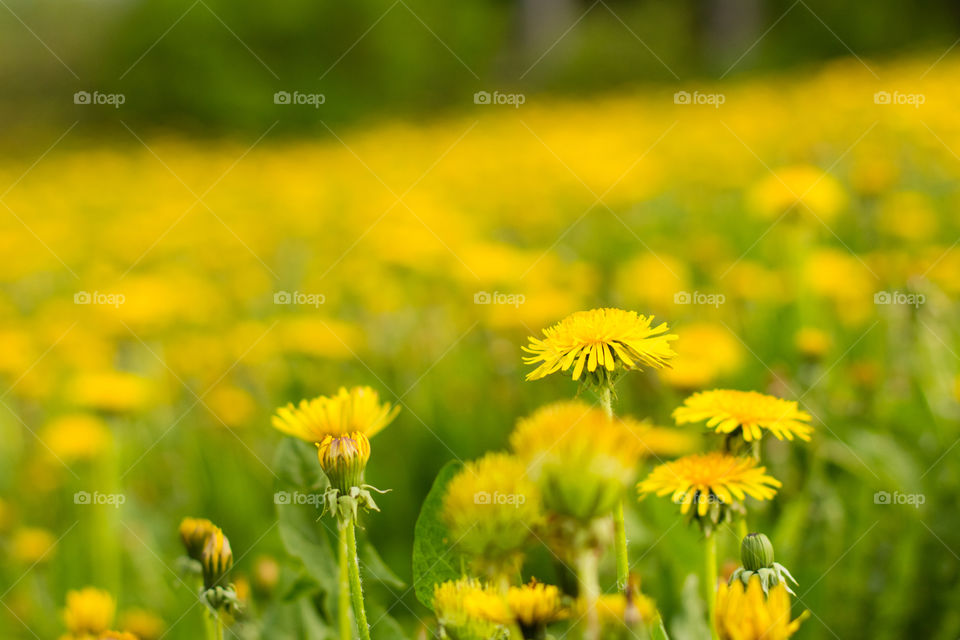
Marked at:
<point>344,458</point>
<point>194,533</point>
<point>756,552</point>
<point>217,558</point>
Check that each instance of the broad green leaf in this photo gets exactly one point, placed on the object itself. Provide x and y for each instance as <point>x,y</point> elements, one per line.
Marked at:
<point>374,569</point>
<point>435,559</point>
<point>382,625</point>
<point>298,511</point>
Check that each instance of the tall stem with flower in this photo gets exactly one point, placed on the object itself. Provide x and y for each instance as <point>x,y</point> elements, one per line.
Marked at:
<point>340,426</point>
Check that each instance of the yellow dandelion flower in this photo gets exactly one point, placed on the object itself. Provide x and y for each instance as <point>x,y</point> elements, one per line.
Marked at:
<point>615,610</point>
<point>747,614</point>
<point>457,604</point>
<point>357,409</point>
<point>89,611</point>
<point>143,624</point>
<point>705,352</point>
<point>799,189</point>
<point>76,437</point>
<point>490,508</point>
<point>30,545</point>
<point>710,478</point>
<point>194,533</point>
<point>582,459</point>
<point>602,341</point>
<point>752,412</point>
<point>535,604</point>
<point>113,391</point>
<point>812,343</point>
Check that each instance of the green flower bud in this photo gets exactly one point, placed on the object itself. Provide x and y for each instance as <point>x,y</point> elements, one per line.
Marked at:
<point>344,459</point>
<point>756,552</point>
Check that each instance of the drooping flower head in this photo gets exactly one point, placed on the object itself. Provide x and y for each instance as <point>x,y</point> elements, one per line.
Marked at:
<point>581,458</point>
<point>756,558</point>
<point>89,612</point>
<point>194,533</point>
<point>714,482</point>
<point>746,613</point>
<point>217,558</point>
<point>344,459</point>
<point>355,410</point>
<point>602,342</point>
<point>750,412</point>
<point>491,508</point>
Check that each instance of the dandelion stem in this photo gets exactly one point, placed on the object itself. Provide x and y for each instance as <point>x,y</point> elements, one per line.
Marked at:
<point>590,590</point>
<point>620,542</point>
<point>356,590</point>
<point>344,596</point>
<point>710,580</point>
<point>619,526</point>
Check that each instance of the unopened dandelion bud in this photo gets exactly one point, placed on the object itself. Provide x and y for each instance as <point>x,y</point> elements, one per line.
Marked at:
<point>217,558</point>
<point>194,533</point>
<point>756,552</point>
<point>344,459</point>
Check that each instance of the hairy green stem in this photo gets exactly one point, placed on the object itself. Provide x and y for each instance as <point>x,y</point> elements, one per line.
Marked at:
<point>343,602</point>
<point>620,542</point>
<point>619,526</point>
<point>587,569</point>
<point>710,579</point>
<point>356,590</point>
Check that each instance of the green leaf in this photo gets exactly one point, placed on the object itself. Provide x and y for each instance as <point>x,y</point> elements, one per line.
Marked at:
<point>374,569</point>
<point>435,559</point>
<point>300,485</point>
<point>382,625</point>
<point>657,631</point>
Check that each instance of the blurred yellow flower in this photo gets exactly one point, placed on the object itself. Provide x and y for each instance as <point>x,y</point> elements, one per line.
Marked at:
<point>705,353</point>
<point>232,405</point>
<point>709,478</point>
<point>464,608</point>
<point>582,459</point>
<point>747,614</point>
<point>357,409</point>
<point>30,545</point>
<point>812,342</point>
<point>143,624</point>
<point>491,508</point>
<point>112,391</point>
<point>535,604</point>
<point>798,189</point>
<point>89,611</point>
<point>604,339</point>
<point>751,412</point>
<point>76,437</point>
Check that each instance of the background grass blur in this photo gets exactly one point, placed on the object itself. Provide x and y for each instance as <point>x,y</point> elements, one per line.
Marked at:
<point>147,249</point>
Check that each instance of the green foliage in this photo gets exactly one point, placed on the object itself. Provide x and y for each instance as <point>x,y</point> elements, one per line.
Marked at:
<point>435,558</point>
